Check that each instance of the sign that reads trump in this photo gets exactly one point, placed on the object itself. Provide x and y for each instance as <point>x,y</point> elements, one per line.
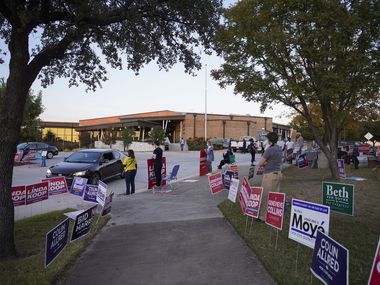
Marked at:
<point>56,241</point>
<point>37,192</point>
<point>82,224</point>
<point>275,210</point>
<point>340,197</point>
<point>306,219</point>
<point>18,195</point>
<point>216,182</point>
<point>57,185</point>
<point>254,202</point>
<point>330,260</point>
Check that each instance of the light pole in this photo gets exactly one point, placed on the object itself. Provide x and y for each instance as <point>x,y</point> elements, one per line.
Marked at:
<point>206,102</point>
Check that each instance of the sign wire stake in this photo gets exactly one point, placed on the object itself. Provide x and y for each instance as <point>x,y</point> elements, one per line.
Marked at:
<point>298,247</point>
<point>250,228</point>
<point>246,224</point>
<point>275,247</point>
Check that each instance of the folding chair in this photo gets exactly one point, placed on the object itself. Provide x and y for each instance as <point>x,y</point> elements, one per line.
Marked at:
<point>172,176</point>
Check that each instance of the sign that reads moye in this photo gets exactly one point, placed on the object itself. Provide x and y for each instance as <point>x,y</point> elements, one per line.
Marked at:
<point>56,241</point>
<point>306,219</point>
<point>340,197</point>
<point>330,261</point>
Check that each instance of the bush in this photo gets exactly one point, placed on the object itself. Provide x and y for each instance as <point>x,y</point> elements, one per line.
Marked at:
<point>196,143</point>
<point>217,143</point>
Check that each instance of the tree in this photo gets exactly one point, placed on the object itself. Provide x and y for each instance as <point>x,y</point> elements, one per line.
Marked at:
<point>70,37</point>
<point>85,139</point>
<point>109,137</point>
<point>157,134</point>
<point>127,136</point>
<point>49,137</point>
<point>304,52</point>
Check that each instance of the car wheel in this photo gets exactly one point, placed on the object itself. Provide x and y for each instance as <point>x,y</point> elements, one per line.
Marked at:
<point>50,155</point>
<point>95,178</point>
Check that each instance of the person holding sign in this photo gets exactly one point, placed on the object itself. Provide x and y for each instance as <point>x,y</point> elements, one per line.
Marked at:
<point>130,169</point>
<point>157,163</point>
<point>271,161</point>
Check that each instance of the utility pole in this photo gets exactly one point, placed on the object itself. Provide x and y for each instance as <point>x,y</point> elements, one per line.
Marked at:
<point>206,102</point>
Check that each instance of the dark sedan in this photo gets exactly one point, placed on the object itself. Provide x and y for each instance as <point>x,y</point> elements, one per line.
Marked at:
<point>94,164</point>
<point>28,150</point>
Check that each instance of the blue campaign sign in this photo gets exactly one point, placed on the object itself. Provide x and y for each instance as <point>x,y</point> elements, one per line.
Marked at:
<point>228,174</point>
<point>56,241</point>
<point>90,193</point>
<point>78,185</point>
<point>330,260</point>
<point>82,224</point>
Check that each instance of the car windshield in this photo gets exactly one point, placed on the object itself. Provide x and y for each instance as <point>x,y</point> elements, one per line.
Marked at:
<point>21,146</point>
<point>84,157</point>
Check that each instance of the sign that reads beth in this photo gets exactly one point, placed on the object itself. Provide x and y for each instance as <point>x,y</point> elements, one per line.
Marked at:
<point>234,187</point>
<point>275,210</point>
<point>306,219</point>
<point>216,182</point>
<point>90,193</point>
<point>56,241</point>
<point>152,176</point>
<point>254,202</point>
<point>374,277</point>
<point>37,192</point>
<point>82,224</point>
<point>57,185</point>
<point>18,195</point>
<point>101,195</point>
<point>341,169</point>
<point>244,193</point>
<point>78,185</point>
<point>340,197</point>
<point>330,260</point>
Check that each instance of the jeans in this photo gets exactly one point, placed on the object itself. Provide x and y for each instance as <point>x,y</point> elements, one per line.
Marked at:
<point>130,181</point>
<point>157,173</point>
<point>270,183</point>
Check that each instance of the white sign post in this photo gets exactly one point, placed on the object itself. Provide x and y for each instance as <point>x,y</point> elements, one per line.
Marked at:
<point>368,136</point>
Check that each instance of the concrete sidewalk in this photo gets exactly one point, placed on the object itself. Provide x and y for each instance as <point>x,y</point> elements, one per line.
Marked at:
<point>175,238</point>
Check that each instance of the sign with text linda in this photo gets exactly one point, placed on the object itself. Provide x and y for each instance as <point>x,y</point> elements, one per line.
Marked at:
<point>234,187</point>
<point>152,176</point>
<point>244,193</point>
<point>341,169</point>
<point>339,196</point>
<point>56,241</point>
<point>306,219</point>
<point>216,183</point>
<point>37,192</point>
<point>374,277</point>
<point>78,185</point>
<point>18,195</point>
<point>330,261</point>
<point>254,202</point>
<point>57,185</point>
<point>275,210</point>
<point>82,224</point>
<point>203,170</point>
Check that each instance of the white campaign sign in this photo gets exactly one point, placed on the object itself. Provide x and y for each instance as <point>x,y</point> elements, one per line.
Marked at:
<point>306,219</point>
<point>102,193</point>
<point>368,136</point>
<point>232,193</point>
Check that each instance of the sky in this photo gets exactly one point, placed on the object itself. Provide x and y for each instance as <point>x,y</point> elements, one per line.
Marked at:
<point>151,90</point>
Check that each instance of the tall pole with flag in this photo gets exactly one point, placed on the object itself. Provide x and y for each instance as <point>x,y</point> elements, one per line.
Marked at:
<point>206,102</point>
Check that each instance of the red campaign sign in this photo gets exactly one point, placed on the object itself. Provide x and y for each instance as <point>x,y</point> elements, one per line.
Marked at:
<point>18,195</point>
<point>152,176</point>
<point>364,148</point>
<point>275,210</point>
<point>203,170</point>
<point>57,185</point>
<point>244,193</point>
<point>374,277</point>
<point>254,202</point>
<point>37,192</point>
<point>378,151</point>
<point>234,168</point>
<point>216,182</point>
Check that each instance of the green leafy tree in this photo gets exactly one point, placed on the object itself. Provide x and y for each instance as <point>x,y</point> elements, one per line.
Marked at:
<point>109,137</point>
<point>157,134</point>
<point>304,52</point>
<point>49,137</point>
<point>70,37</point>
<point>85,139</point>
<point>127,137</point>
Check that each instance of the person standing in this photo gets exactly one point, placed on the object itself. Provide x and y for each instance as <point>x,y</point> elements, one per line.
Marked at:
<point>252,150</point>
<point>244,146</point>
<point>182,143</point>
<point>289,150</point>
<point>157,162</point>
<point>210,156</point>
<point>130,170</point>
<point>271,161</point>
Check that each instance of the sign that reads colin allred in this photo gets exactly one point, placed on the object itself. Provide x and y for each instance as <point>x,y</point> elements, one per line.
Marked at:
<point>275,210</point>
<point>330,261</point>
<point>340,197</point>
<point>56,241</point>
<point>244,193</point>
<point>216,182</point>
<point>57,185</point>
<point>374,277</point>
<point>82,224</point>
<point>254,202</point>
<point>306,219</point>
<point>18,195</point>
<point>37,192</point>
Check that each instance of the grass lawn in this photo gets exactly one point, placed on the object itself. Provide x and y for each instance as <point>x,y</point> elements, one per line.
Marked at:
<point>30,233</point>
<point>359,234</point>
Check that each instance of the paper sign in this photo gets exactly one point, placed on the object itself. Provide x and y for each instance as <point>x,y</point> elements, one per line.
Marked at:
<point>244,193</point>
<point>275,210</point>
<point>339,196</point>
<point>102,193</point>
<point>78,185</point>
<point>330,261</point>
<point>374,277</point>
<point>57,185</point>
<point>90,193</point>
<point>341,170</point>
<point>73,215</point>
<point>18,195</point>
<point>37,192</point>
<point>306,219</point>
<point>234,187</point>
<point>82,224</point>
<point>56,241</point>
<point>216,183</point>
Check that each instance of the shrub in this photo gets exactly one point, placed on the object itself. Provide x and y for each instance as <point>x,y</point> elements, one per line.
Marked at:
<point>196,143</point>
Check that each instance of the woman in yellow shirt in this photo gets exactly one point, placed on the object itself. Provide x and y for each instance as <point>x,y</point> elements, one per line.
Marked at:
<point>130,169</point>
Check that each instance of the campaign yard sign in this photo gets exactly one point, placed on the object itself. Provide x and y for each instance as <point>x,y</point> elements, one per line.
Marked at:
<point>90,193</point>
<point>302,162</point>
<point>330,261</point>
<point>275,210</point>
<point>57,185</point>
<point>341,170</point>
<point>251,172</point>
<point>56,241</point>
<point>339,196</point>
<point>152,176</point>
<point>37,192</point>
<point>234,187</point>
<point>18,195</point>
<point>216,183</point>
<point>227,175</point>
<point>374,277</point>
<point>306,219</point>
<point>101,195</point>
<point>107,206</point>
<point>254,202</point>
<point>203,170</point>
<point>244,193</point>
<point>78,186</point>
<point>82,224</point>
<point>260,170</point>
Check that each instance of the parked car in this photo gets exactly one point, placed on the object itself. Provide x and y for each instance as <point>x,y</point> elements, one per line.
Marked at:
<point>28,150</point>
<point>93,164</point>
<point>238,145</point>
